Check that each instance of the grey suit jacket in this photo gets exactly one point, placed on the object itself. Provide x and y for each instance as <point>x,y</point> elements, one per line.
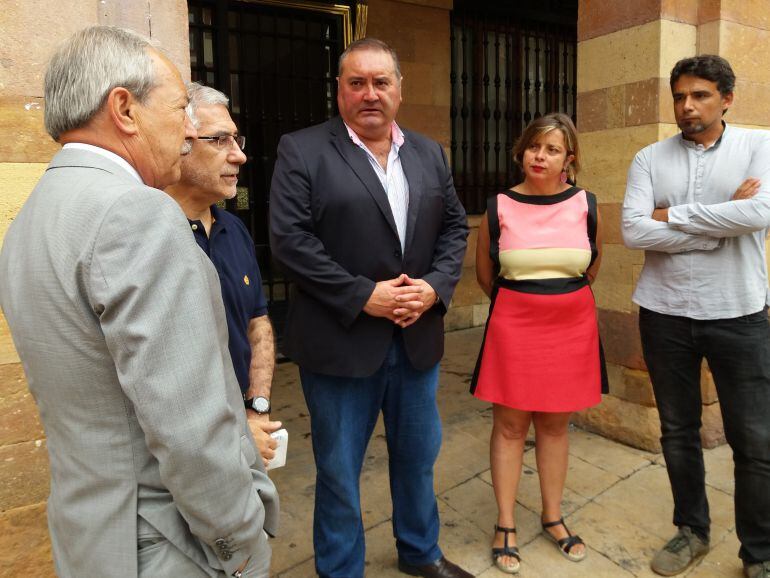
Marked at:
<point>118,320</point>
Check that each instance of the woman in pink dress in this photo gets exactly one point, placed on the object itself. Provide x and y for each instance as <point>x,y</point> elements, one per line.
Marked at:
<point>538,251</point>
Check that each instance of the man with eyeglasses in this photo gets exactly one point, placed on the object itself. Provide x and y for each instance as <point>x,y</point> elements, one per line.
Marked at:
<point>210,175</point>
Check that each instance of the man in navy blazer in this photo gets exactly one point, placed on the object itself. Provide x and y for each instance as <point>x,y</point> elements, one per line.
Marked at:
<point>365,218</point>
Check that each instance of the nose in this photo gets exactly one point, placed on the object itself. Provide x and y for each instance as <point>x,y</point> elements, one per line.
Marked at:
<point>370,93</point>
<point>539,153</point>
<point>189,128</point>
<point>688,103</point>
<point>235,155</point>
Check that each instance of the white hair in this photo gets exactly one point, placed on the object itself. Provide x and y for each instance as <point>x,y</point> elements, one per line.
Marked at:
<point>87,67</point>
<point>201,95</point>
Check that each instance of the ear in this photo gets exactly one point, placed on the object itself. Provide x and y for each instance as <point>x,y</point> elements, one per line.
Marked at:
<point>568,161</point>
<point>727,101</point>
<point>121,107</point>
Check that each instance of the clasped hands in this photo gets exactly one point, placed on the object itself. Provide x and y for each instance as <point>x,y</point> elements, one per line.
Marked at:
<point>748,189</point>
<point>402,300</point>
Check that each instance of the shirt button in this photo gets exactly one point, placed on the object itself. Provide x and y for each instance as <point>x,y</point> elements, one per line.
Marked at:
<point>194,227</point>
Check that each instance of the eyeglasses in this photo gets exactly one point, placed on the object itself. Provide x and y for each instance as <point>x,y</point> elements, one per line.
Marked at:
<point>226,141</point>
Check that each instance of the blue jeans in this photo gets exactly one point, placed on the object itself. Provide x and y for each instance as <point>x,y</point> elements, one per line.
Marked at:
<point>738,353</point>
<point>343,413</point>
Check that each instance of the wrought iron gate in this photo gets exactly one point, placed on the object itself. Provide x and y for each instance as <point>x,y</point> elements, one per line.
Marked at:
<point>277,61</point>
<point>510,64</point>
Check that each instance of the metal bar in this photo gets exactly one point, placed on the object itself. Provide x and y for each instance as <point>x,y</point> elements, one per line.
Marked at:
<point>485,114</point>
<point>564,75</point>
<point>476,106</point>
<point>538,66</point>
<point>511,89</point>
<point>527,115</point>
<point>453,93</point>
<point>497,112</point>
<point>464,111</point>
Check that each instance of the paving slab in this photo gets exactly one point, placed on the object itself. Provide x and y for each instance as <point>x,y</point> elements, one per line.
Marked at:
<point>719,469</point>
<point>616,497</point>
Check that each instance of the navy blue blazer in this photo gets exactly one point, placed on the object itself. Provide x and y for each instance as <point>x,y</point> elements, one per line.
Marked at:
<point>332,228</point>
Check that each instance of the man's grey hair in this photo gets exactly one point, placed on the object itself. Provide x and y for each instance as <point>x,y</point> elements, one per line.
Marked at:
<point>201,95</point>
<point>87,67</point>
<point>370,44</point>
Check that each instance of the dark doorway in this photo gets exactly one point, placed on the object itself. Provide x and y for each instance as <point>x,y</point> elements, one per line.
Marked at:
<point>277,62</point>
<point>511,63</point>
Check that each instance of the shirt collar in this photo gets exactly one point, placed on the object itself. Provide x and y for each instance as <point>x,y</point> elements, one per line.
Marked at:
<point>396,135</point>
<point>124,164</point>
<point>216,216</point>
<point>217,222</point>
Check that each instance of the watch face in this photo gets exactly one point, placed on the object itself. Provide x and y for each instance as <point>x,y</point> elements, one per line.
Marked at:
<point>261,405</point>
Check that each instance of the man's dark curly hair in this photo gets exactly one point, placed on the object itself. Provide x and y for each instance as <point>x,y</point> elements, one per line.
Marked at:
<point>709,67</point>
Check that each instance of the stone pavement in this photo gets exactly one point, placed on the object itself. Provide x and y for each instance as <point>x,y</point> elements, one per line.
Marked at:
<point>617,498</point>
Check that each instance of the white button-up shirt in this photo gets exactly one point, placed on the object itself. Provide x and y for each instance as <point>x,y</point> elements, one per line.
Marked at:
<point>708,261</point>
<point>392,178</point>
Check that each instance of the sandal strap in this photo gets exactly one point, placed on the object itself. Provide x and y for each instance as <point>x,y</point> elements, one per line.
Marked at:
<point>505,530</point>
<point>566,544</point>
<point>559,522</point>
<point>506,551</point>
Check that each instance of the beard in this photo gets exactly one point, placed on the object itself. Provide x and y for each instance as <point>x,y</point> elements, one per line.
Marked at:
<point>186,147</point>
<point>690,128</point>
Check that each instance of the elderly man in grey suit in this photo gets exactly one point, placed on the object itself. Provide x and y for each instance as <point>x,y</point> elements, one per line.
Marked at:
<point>118,320</point>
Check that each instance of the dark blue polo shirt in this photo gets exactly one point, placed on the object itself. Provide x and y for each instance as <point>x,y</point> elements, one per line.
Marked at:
<point>231,249</point>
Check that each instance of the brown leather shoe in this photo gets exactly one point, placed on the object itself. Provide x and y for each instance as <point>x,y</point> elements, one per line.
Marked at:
<point>441,568</point>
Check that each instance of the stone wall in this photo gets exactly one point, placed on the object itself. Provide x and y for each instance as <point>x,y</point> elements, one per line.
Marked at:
<point>418,30</point>
<point>31,31</point>
<point>625,54</point>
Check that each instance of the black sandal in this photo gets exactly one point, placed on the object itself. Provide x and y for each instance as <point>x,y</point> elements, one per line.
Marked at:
<point>565,545</point>
<point>506,550</point>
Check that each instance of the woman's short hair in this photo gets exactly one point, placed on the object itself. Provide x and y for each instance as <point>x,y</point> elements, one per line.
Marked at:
<point>543,125</point>
<point>87,67</point>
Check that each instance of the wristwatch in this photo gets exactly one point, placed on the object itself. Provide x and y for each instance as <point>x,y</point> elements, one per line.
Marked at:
<point>259,404</point>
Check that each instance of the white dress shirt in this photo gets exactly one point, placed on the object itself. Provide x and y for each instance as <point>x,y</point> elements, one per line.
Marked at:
<point>393,179</point>
<point>106,154</point>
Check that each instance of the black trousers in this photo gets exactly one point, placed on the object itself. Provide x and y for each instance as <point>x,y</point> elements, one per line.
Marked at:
<point>738,353</point>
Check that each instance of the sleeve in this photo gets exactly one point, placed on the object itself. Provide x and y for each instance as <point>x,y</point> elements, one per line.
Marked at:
<point>150,291</point>
<point>449,250</point>
<point>731,218</point>
<point>260,301</point>
<point>294,242</point>
<point>640,230</point>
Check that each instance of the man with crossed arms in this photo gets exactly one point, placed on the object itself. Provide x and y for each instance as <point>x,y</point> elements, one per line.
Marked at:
<point>698,203</point>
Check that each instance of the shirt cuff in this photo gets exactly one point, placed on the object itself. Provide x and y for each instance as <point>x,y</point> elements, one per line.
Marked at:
<point>678,216</point>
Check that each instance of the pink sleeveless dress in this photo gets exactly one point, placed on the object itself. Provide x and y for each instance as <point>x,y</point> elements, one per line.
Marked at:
<point>541,348</point>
